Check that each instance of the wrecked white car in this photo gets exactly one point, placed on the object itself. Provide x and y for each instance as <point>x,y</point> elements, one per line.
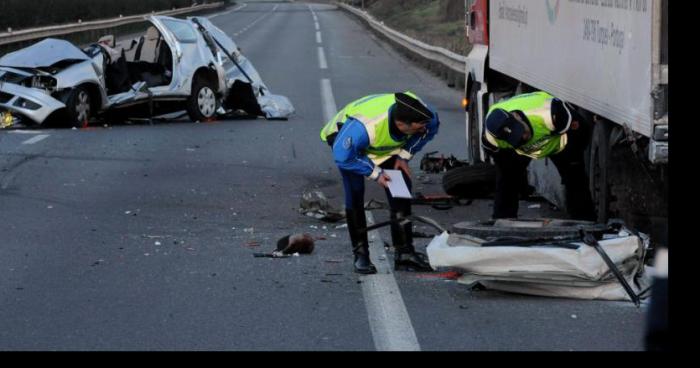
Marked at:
<point>176,65</point>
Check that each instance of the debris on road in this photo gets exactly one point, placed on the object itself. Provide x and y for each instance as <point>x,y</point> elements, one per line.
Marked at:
<point>296,243</point>
<point>290,245</point>
<point>315,204</point>
<point>449,275</point>
<point>435,165</point>
<point>439,201</point>
<point>270,255</point>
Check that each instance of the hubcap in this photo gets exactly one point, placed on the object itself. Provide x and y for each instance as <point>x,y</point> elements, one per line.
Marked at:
<point>83,106</point>
<point>206,100</point>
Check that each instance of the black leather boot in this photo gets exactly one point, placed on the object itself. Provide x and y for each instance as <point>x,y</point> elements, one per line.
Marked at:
<point>405,256</point>
<point>360,243</point>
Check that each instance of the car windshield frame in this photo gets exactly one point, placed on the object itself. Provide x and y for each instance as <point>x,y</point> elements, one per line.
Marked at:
<point>183,31</point>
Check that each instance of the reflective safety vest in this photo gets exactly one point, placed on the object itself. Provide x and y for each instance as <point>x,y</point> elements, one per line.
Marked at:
<point>373,112</point>
<point>537,107</point>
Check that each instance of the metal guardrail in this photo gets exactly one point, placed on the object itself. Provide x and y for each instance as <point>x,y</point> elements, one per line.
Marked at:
<point>443,56</point>
<point>36,33</point>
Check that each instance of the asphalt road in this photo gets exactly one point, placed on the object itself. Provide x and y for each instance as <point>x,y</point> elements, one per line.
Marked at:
<point>138,237</point>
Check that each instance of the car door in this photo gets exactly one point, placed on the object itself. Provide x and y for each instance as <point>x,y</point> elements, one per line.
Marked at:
<point>228,48</point>
<point>139,92</point>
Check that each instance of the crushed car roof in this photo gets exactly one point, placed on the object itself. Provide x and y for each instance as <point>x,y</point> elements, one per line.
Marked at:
<point>44,54</point>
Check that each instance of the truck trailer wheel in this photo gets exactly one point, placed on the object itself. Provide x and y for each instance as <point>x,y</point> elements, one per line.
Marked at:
<point>598,169</point>
<point>473,137</point>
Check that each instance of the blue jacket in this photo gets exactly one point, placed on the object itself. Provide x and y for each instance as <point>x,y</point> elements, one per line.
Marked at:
<point>352,141</point>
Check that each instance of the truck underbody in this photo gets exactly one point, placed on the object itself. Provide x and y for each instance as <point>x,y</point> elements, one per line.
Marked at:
<point>627,169</point>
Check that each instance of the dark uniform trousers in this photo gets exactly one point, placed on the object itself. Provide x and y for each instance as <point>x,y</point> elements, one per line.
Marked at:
<point>354,185</point>
<point>511,168</point>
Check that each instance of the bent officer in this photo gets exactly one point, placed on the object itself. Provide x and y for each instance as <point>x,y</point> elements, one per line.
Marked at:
<point>535,126</point>
<point>369,135</point>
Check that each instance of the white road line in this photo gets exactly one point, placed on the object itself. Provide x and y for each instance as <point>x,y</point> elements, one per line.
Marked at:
<point>327,99</point>
<point>318,37</point>
<point>227,12</point>
<point>322,59</point>
<point>35,139</point>
<point>391,325</point>
<point>257,20</point>
<point>20,131</point>
<point>317,26</point>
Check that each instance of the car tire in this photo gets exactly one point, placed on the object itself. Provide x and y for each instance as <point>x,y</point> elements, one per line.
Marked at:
<point>79,107</point>
<point>203,102</point>
<point>473,181</point>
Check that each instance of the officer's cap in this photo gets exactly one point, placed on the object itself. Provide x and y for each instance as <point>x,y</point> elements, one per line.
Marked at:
<point>410,110</point>
<point>504,126</point>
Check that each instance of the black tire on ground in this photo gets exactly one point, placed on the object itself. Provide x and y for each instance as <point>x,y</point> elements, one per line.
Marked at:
<point>78,107</point>
<point>473,181</point>
<point>203,102</point>
<point>598,169</point>
<point>523,228</point>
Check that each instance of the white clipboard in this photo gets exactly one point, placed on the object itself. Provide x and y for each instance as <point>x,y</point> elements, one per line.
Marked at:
<point>397,186</point>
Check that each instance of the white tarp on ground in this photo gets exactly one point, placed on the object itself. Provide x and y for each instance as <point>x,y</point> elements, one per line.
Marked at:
<point>544,270</point>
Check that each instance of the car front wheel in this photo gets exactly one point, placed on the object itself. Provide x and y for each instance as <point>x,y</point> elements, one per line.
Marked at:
<point>78,107</point>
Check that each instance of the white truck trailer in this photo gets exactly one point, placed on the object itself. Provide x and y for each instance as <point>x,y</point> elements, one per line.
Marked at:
<point>609,59</point>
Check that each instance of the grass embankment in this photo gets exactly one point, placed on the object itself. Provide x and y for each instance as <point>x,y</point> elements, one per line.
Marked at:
<point>435,22</point>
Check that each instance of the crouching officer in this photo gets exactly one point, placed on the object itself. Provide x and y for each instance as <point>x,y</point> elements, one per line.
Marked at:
<point>535,126</point>
<point>369,135</point>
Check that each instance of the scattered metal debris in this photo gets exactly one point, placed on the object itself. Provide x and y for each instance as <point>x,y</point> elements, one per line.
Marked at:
<point>440,201</point>
<point>315,204</point>
<point>439,164</point>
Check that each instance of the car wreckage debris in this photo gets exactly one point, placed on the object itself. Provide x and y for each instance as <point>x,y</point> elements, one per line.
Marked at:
<point>315,204</point>
<point>436,165</point>
<point>289,245</point>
